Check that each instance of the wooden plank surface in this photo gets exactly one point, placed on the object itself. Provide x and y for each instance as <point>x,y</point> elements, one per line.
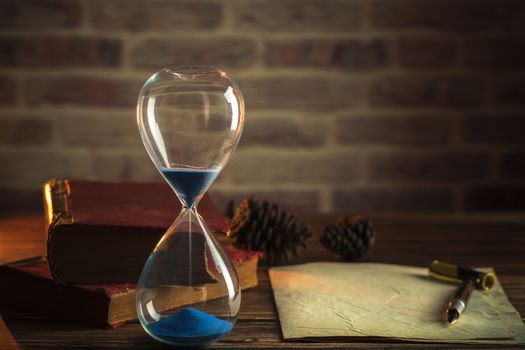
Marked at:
<point>7,341</point>
<point>497,241</point>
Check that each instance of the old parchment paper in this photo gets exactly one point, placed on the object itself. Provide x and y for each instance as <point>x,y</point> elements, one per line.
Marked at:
<point>380,300</point>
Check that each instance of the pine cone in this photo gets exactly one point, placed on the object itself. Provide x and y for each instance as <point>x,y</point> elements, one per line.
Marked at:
<point>352,238</point>
<point>230,209</point>
<point>262,226</point>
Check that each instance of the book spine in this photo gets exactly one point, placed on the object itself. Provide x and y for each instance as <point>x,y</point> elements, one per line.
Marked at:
<point>41,295</point>
<point>57,212</point>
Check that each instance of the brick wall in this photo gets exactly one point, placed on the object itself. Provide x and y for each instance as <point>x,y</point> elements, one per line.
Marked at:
<point>352,105</point>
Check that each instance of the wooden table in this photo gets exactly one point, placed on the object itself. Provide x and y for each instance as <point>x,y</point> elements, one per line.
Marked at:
<point>497,241</point>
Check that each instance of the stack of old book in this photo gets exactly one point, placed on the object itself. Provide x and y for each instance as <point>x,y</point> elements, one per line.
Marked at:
<point>99,236</point>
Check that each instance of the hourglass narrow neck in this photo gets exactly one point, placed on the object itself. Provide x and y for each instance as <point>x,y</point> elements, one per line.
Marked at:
<point>192,209</point>
<point>189,183</point>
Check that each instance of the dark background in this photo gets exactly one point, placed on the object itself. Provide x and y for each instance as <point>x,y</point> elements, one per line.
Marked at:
<point>381,105</point>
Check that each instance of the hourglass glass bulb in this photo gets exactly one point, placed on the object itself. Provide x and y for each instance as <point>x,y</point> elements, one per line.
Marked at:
<point>190,120</point>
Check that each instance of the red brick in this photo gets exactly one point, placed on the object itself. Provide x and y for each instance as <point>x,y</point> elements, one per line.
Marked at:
<point>426,53</point>
<point>25,131</point>
<point>123,167</point>
<point>432,167</point>
<point>108,166</point>
<point>393,201</point>
<point>392,92</point>
<point>411,131</point>
<point>292,168</point>
<point>348,54</point>
<point>512,165</point>
<point>515,15</point>
<point>499,54</point>
<point>281,132</point>
<point>76,164</point>
<point>306,15</point>
<point>136,15</point>
<point>29,169</point>
<point>495,129</point>
<point>441,15</point>
<point>310,94</point>
<point>509,92</point>
<point>7,91</point>
<point>58,52</point>
<point>295,201</point>
<point>40,14</point>
<point>462,92</point>
<point>494,198</point>
<point>96,132</point>
<point>419,92</point>
<point>223,53</point>
<point>82,91</point>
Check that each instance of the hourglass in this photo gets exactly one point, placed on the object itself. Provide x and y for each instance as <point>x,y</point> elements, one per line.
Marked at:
<point>190,120</point>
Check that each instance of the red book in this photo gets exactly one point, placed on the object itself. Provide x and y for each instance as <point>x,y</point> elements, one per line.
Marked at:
<point>102,232</point>
<point>30,286</point>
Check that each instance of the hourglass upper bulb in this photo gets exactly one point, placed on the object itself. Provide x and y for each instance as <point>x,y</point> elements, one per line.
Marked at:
<point>190,120</point>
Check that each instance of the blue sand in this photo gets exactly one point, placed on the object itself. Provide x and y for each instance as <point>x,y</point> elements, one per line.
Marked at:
<point>190,326</point>
<point>189,182</point>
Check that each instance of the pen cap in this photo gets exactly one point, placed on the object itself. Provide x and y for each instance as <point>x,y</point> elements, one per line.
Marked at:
<point>444,269</point>
<point>443,278</point>
<point>450,272</point>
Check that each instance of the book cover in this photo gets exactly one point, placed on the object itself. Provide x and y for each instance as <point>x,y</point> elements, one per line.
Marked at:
<point>29,285</point>
<point>102,232</point>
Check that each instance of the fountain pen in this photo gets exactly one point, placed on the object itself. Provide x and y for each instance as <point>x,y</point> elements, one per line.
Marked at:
<point>458,304</point>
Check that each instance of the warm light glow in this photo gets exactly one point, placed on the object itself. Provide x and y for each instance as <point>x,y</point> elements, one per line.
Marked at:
<point>49,202</point>
<point>155,131</point>
<point>151,310</point>
<point>232,100</point>
<point>206,106</point>
<point>224,271</point>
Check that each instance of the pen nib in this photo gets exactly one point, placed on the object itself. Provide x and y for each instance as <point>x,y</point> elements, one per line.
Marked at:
<point>452,316</point>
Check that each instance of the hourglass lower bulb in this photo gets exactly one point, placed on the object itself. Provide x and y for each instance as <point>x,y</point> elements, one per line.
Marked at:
<point>190,120</point>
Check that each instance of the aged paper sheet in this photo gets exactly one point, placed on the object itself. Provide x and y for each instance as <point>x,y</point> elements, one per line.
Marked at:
<point>380,300</point>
